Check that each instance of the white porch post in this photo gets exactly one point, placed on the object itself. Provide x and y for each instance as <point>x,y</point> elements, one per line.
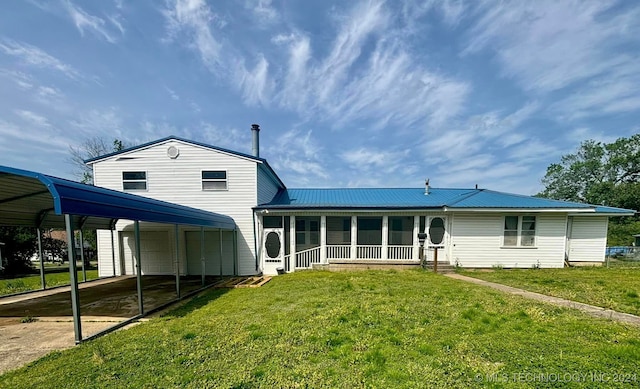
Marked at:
<point>385,237</point>
<point>354,236</point>
<point>323,239</point>
<point>292,243</point>
<point>416,245</point>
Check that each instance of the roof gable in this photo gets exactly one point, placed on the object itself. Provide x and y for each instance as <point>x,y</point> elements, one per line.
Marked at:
<point>262,163</point>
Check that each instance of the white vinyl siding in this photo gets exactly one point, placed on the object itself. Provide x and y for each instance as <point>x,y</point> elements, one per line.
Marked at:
<point>266,186</point>
<point>179,181</point>
<point>588,239</point>
<point>477,241</point>
<point>156,252</point>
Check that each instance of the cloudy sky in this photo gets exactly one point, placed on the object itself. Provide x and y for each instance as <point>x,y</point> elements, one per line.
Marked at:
<point>347,93</point>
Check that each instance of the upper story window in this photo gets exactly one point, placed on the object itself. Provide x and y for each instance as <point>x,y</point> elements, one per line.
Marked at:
<point>520,231</point>
<point>134,180</point>
<point>214,180</point>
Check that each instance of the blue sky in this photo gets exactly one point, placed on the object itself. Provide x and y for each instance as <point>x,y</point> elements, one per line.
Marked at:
<point>347,93</point>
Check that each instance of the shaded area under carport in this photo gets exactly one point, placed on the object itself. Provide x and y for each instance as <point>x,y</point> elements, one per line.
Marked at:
<point>115,298</point>
<point>103,303</point>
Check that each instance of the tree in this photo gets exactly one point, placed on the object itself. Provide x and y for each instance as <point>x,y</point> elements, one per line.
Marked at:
<point>603,174</point>
<point>19,247</point>
<point>91,148</point>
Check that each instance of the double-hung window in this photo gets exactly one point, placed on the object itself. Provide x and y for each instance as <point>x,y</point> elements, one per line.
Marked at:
<point>519,231</point>
<point>214,180</point>
<point>134,180</point>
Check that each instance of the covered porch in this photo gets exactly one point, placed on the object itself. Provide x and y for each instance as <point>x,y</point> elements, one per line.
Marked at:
<point>293,241</point>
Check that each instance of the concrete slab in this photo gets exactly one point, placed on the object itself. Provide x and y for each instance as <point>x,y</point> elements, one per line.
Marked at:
<point>103,304</point>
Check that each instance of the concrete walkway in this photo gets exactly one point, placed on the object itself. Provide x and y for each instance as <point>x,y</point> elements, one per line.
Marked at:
<point>589,309</point>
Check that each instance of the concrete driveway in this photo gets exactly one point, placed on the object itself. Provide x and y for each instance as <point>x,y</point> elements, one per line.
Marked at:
<point>103,303</point>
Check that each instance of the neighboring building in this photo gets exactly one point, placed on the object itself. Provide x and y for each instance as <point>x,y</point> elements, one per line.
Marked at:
<point>298,228</point>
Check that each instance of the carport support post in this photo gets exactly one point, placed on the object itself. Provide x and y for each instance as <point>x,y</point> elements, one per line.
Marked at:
<point>177,261</point>
<point>202,253</point>
<point>221,252</point>
<point>136,228</point>
<point>84,271</point>
<point>235,252</point>
<point>113,254</point>
<point>75,295</point>
<point>42,280</point>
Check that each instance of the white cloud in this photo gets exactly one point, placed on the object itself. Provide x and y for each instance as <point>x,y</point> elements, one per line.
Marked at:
<point>192,18</point>
<point>33,118</point>
<point>107,123</point>
<point>172,93</point>
<point>263,11</point>
<point>33,56</point>
<point>546,46</point>
<point>255,84</point>
<point>23,80</point>
<point>84,20</point>
<point>298,158</point>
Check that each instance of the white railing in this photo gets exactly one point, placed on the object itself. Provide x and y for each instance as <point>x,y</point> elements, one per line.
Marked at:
<point>287,263</point>
<point>338,252</point>
<point>369,252</point>
<point>305,258</point>
<point>400,252</point>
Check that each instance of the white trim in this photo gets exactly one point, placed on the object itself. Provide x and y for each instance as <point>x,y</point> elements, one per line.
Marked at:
<point>226,180</point>
<point>523,210</point>
<point>146,180</point>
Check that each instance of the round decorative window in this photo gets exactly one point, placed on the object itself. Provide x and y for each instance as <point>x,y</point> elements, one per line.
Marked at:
<point>173,152</point>
<point>436,230</point>
<point>272,245</point>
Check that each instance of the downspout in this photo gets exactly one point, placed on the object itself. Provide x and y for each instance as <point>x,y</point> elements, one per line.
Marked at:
<point>255,238</point>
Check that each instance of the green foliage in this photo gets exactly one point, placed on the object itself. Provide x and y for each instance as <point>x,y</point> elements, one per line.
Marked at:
<point>386,330</point>
<point>19,246</point>
<point>25,284</point>
<point>603,174</point>
<point>614,288</point>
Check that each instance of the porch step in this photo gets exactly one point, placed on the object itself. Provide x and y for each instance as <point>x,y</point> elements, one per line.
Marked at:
<point>443,268</point>
<point>363,264</point>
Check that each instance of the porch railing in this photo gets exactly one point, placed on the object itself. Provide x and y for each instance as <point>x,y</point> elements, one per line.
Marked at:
<point>305,258</point>
<point>400,252</point>
<point>369,252</point>
<point>339,252</point>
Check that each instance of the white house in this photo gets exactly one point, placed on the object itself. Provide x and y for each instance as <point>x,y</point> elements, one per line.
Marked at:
<point>300,228</point>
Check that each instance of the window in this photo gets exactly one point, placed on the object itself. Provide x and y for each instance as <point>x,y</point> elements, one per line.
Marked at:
<point>369,231</point>
<point>134,180</point>
<point>519,231</point>
<point>272,221</point>
<point>338,230</point>
<point>307,232</point>
<point>214,180</point>
<point>400,230</point>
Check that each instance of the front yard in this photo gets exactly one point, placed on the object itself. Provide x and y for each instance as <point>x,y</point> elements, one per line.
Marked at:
<point>617,287</point>
<point>57,277</point>
<point>361,329</point>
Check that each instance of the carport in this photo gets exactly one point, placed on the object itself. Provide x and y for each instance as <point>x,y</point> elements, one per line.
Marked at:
<point>32,199</point>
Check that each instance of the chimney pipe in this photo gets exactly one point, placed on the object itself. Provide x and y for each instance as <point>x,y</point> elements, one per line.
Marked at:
<point>255,130</point>
<point>426,187</point>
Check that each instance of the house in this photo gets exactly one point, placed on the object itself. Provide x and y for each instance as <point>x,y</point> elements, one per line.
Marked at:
<point>289,229</point>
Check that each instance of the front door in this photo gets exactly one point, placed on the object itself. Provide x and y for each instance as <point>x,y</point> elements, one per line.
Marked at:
<point>273,250</point>
<point>437,239</point>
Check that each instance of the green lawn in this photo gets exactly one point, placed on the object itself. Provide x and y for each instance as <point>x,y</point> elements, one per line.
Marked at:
<point>24,284</point>
<point>616,287</point>
<point>363,329</point>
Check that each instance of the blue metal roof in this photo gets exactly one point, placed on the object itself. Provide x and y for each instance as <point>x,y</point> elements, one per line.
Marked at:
<point>262,161</point>
<point>33,199</point>
<point>415,198</point>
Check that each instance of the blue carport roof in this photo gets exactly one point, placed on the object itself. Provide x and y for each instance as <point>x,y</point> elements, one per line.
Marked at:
<point>29,198</point>
<point>415,198</point>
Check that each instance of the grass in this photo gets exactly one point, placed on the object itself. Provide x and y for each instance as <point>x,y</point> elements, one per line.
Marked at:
<point>25,284</point>
<point>616,287</point>
<point>366,329</point>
